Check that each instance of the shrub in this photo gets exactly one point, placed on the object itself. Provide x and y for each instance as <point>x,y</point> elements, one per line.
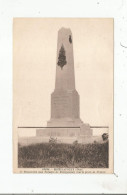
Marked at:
<point>52,140</point>
<point>105,136</point>
<point>75,142</point>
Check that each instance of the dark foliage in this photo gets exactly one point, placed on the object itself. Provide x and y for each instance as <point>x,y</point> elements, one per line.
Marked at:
<point>63,155</point>
<point>62,57</point>
<point>105,136</point>
<point>70,39</point>
<point>53,140</point>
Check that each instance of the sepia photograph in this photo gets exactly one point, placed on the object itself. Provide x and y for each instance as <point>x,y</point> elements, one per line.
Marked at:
<point>63,95</point>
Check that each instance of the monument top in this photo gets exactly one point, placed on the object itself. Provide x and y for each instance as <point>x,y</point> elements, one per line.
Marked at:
<point>65,79</point>
<point>65,31</point>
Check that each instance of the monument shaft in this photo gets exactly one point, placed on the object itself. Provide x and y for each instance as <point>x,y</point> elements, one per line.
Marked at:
<point>65,98</point>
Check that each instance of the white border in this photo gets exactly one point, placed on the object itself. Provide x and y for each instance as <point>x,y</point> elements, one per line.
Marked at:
<point>41,183</point>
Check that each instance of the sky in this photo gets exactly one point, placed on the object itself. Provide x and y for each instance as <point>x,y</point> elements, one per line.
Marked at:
<point>34,68</point>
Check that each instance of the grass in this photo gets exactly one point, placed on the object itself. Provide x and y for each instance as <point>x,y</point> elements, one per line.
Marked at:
<point>52,155</point>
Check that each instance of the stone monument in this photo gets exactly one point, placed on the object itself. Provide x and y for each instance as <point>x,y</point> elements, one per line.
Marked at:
<point>65,123</point>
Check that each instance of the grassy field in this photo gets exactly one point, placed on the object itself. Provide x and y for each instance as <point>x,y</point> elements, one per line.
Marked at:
<point>63,155</point>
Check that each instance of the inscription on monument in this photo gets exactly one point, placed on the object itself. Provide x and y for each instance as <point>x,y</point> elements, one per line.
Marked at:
<point>60,104</point>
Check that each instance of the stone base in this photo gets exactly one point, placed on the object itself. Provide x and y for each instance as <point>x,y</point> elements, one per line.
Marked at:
<point>66,130</point>
<point>83,132</point>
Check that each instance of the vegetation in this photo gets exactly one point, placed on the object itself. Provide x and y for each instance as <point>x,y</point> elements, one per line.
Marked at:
<point>53,140</point>
<point>63,155</point>
<point>105,136</point>
<point>62,57</point>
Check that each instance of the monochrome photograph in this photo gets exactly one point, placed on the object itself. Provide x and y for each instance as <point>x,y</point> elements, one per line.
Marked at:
<point>63,95</point>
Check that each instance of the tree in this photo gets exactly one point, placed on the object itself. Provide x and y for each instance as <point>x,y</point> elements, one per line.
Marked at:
<point>62,57</point>
<point>105,136</point>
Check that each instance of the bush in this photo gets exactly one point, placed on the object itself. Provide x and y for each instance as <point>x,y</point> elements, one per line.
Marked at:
<point>75,142</point>
<point>53,140</point>
<point>105,136</point>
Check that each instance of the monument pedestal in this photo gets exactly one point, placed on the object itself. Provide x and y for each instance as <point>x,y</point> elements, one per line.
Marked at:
<point>64,104</point>
<point>66,134</point>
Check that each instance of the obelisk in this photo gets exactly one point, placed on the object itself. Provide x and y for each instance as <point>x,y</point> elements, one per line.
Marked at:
<point>65,98</point>
<point>65,113</point>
